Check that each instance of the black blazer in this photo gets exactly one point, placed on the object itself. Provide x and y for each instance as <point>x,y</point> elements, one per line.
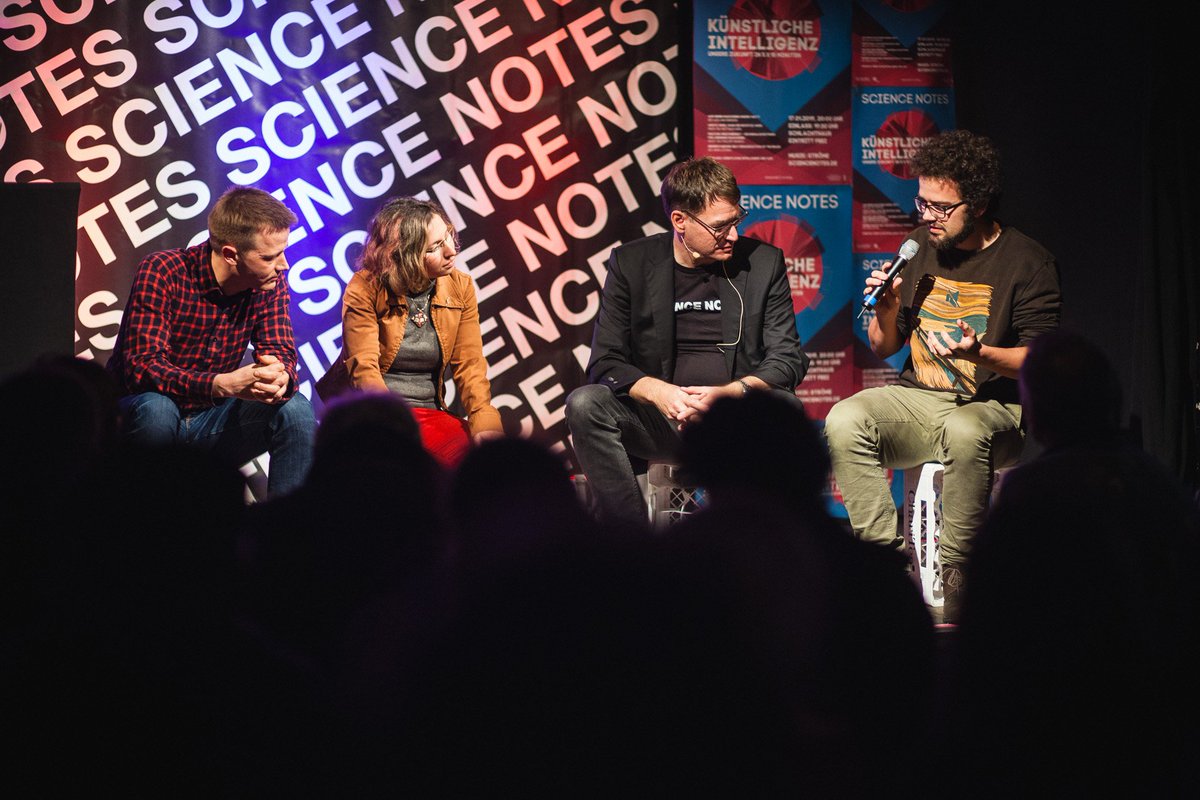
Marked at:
<point>635,329</point>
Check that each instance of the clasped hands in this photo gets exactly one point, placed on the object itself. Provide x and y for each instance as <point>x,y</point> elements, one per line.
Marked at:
<point>683,404</point>
<point>265,381</point>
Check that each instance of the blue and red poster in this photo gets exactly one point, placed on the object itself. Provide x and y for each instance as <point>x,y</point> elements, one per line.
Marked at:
<point>903,96</point>
<point>825,99</point>
<point>811,225</point>
<point>901,43</point>
<point>772,89</point>
<point>890,125</point>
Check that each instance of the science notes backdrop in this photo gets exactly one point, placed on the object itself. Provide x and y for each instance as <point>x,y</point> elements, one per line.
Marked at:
<point>543,126</point>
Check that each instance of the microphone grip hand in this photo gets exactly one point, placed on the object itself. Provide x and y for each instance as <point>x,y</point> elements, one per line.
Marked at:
<point>884,284</point>
<point>880,294</point>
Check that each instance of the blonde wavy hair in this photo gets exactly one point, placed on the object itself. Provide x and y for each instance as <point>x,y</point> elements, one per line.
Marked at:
<point>394,254</point>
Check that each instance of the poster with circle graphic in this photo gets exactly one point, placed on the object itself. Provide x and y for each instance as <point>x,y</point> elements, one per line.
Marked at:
<point>890,125</point>
<point>903,96</point>
<point>778,116</point>
<point>811,224</point>
<point>772,88</point>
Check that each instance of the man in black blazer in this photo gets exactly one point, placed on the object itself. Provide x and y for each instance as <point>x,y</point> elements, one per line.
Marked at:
<point>686,317</point>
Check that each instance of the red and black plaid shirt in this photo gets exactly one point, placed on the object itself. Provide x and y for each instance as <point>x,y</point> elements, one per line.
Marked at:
<point>179,331</point>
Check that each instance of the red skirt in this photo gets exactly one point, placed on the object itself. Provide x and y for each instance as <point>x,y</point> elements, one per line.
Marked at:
<point>444,435</point>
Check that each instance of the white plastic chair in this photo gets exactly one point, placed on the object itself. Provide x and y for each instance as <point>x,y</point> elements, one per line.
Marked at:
<point>923,528</point>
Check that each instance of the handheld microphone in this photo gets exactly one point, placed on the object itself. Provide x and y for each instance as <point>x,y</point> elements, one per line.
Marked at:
<point>907,251</point>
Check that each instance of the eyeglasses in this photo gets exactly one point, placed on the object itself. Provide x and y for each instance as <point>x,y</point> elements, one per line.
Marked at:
<point>721,232</point>
<point>451,239</point>
<point>939,211</point>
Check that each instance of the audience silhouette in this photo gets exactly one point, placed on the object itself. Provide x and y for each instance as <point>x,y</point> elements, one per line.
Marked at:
<point>1078,632</point>
<point>509,493</point>
<point>392,627</point>
<point>847,634</point>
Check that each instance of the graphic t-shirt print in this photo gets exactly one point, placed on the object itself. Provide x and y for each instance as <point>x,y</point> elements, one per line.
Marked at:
<point>940,303</point>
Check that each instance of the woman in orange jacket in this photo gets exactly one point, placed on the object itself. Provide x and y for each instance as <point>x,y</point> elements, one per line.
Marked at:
<point>406,314</point>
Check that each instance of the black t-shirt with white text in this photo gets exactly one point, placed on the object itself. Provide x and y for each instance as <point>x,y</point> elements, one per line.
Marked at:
<point>698,361</point>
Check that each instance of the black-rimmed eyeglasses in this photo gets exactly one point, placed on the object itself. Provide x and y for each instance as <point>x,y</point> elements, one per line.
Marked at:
<point>721,232</point>
<point>939,211</point>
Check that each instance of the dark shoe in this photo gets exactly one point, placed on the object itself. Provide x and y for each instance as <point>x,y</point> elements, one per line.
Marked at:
<point>952,585</point>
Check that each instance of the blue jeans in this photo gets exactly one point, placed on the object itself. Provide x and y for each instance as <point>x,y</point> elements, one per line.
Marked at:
<point>234,430</point>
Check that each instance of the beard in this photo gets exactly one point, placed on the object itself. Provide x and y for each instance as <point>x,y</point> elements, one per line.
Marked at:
<point>954,240</point>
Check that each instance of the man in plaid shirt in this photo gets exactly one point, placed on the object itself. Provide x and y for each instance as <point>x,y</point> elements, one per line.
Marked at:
<point>190,316</point>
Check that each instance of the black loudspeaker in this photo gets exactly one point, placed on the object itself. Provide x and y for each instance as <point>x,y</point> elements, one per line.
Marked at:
<point>37,270</point>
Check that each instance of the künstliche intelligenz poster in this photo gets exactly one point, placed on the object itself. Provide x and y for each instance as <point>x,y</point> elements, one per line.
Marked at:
<point>772,89</point>
<point>903,96</point>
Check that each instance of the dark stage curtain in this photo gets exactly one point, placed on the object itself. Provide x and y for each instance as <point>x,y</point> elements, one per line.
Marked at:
<point>1092,121</point>
<point>1166,388</point>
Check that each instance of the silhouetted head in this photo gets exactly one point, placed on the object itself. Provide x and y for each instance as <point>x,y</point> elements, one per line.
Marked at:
<point>360,428</point>
<point>512,487</point>
<point>56,419</point>
<point>1069,391</point>
<point>760,443</point>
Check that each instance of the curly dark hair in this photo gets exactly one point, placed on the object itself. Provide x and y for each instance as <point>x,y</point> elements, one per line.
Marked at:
<point>968,159</point>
